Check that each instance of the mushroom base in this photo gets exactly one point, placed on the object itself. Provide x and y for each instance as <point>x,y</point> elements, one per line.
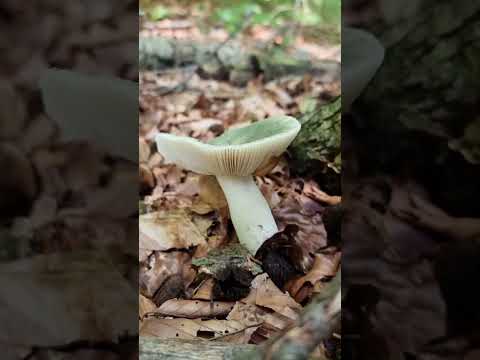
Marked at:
<point>250,213</point>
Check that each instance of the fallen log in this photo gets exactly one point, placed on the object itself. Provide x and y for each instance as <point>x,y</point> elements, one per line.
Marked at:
<point>230,60</point>
<point>317,149</point>
<point>171,349</point>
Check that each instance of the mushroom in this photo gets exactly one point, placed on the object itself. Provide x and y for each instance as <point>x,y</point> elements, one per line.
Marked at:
<point>233,158</point>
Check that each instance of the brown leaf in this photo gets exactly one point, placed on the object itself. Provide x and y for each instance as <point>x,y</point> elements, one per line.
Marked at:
<point>194,308</point>
<point>268,166</point>
<point>282,97</point>
<point>169,329</point>
<point>161,231</point>
<point>258,107</point>
<point>145,306</point>
<point>311,190</point>
<point>205,291</point>
<point>290,206</point>
<point>262,322</point>
<point>155,160</point>
<point>143,150</point>
<point>206,128</point>
<point>266,294</point>
<point>303,212</point>
<point>189,329</point>
<point>158,268</point>
<point>147,181</point>
<point>325,265</point>
<point>211,192</point>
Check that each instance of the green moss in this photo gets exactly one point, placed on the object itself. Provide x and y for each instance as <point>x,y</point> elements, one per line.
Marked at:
<point>233,256</point>
<point>317,146</point>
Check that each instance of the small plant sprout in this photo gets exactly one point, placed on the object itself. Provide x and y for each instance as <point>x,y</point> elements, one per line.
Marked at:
<point>100,110</point>
<point>362,56</point>
<point>233,158</point>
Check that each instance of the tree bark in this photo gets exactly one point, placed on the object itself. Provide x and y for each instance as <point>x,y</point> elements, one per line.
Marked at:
<point>316,150</point>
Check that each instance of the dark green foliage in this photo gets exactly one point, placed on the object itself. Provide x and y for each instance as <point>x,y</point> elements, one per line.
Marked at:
<point>233,15</point>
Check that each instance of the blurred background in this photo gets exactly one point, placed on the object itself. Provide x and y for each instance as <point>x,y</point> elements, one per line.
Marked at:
<point>66,265</point>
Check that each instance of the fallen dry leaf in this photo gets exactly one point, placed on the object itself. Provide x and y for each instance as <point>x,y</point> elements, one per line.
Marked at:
<point>281,96</point>
<point>325,265</point>
<point>205,291</point>
<point>188,328</point>
<point>312,190</point>
<point>147,180</point>
<point>145,306</point>
<point>265,293</point>
<point>260,320</point>
<point>161,266</point>
<point>144,151</point>
<point>211,192</point>
<point>165,231</point>
<point>192,309</point>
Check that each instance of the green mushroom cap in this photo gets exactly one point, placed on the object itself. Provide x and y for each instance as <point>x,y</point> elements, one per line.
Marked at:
<point>237,152</point>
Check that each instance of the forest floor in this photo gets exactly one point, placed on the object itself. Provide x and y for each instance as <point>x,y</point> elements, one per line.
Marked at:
<point>185,232</point>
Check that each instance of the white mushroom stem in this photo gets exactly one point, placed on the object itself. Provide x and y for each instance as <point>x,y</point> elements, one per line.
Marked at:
<point>249,211</point>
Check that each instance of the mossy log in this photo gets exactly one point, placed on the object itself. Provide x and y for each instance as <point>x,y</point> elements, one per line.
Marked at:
<point>230,60</point>
<point>171,349</point>
<point>316,150</point>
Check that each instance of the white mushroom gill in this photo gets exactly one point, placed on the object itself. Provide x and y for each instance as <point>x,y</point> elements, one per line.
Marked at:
<point>233,158</point>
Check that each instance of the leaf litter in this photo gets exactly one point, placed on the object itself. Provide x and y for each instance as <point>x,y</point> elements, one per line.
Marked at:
<point>195,280</point>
